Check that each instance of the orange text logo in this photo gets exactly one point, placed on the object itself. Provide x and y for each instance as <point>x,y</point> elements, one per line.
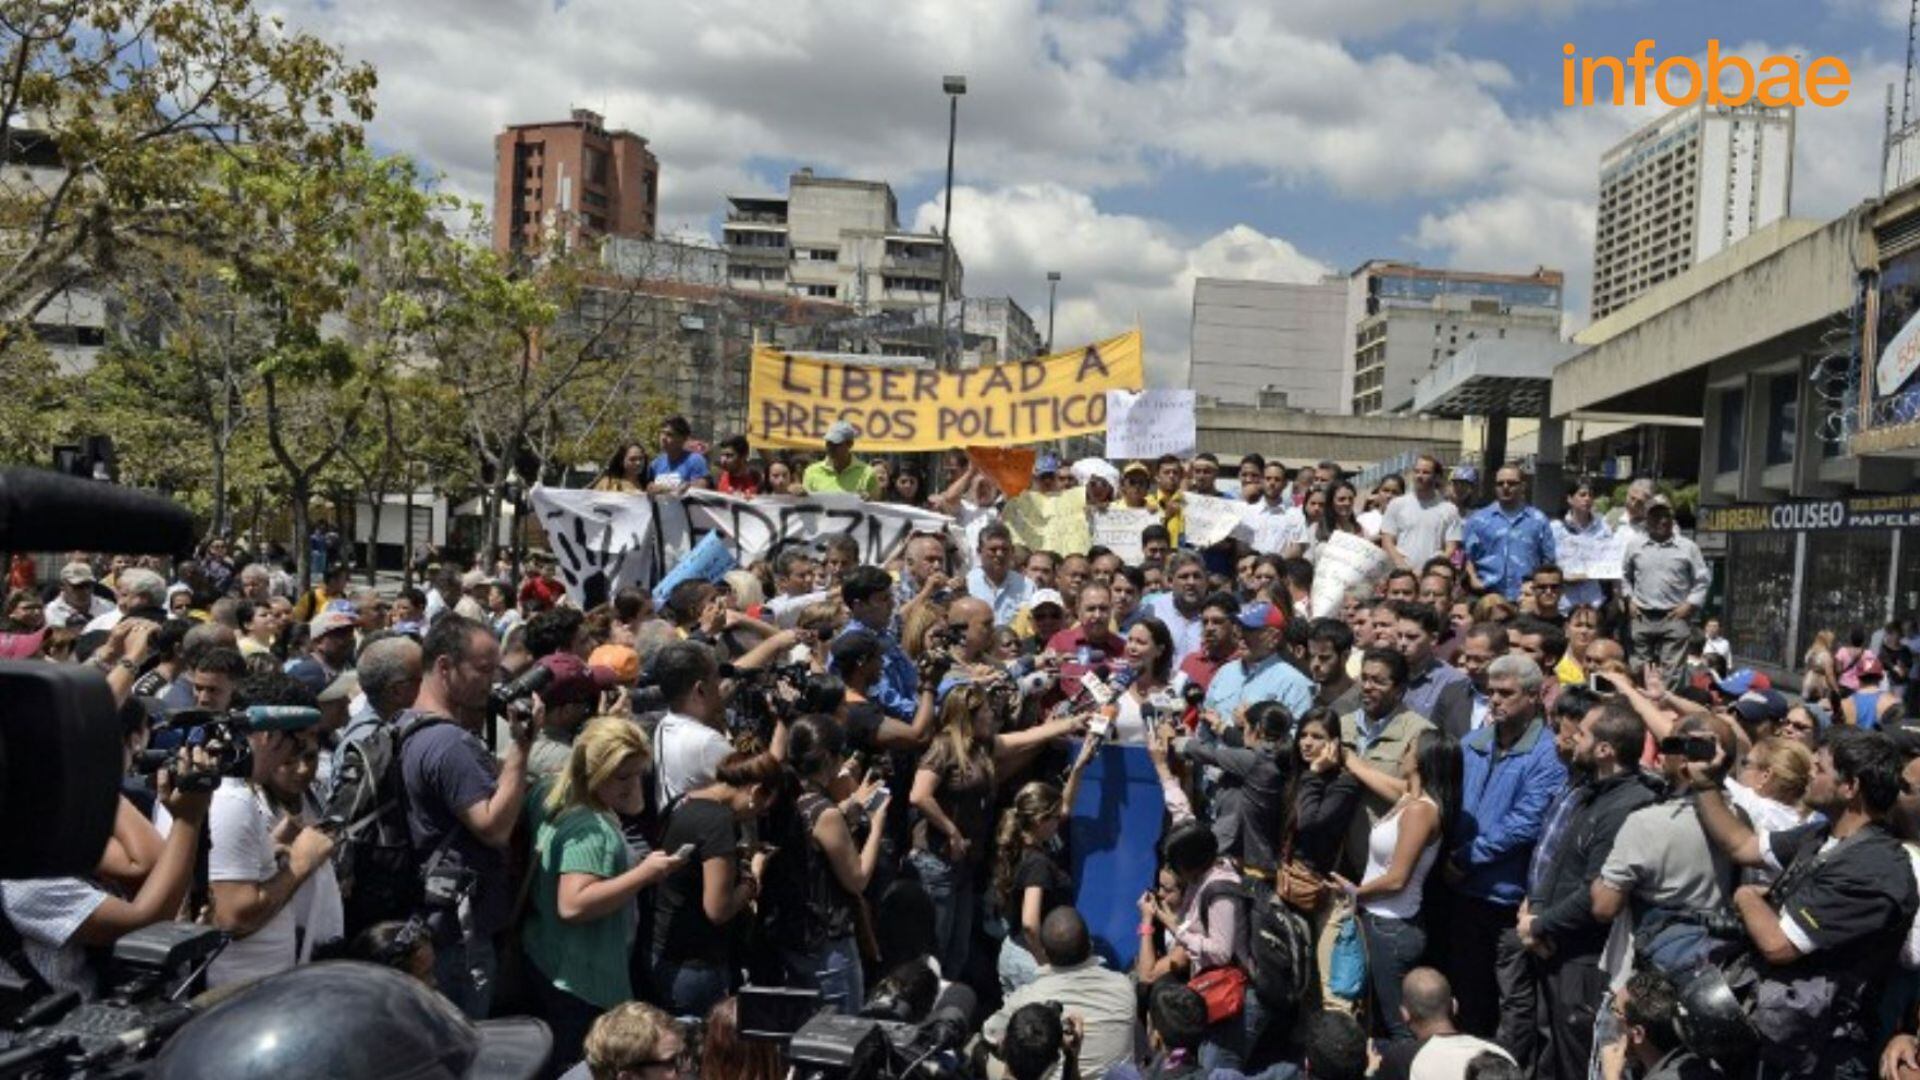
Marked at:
<point>1678,80</point>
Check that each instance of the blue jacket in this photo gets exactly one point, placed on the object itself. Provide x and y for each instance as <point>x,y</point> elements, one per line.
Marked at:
<point>1503,807</point>
<point>899,678</point>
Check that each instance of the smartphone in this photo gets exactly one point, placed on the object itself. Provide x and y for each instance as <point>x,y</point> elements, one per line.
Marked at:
<point>874,800</point>
<point>1597,684</point>
<point>1691,747</point>
<point>685,851</point>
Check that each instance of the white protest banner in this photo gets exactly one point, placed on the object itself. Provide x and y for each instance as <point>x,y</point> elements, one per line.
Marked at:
<point>1273,534</point>
<point>1597,558</point>
<point>1118,530</point>
<point>1208,520</point>
<point>1150,423</point>
<point>605,541</point>
<point>1056,522</point>
<point>1347,562</point>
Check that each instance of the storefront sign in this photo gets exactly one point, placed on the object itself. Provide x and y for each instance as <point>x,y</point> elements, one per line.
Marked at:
<point>1860,512</point>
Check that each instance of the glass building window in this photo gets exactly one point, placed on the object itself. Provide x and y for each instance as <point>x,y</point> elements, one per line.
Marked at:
<point>1759,592</point>
<point>1846,583</point>
<point>1731,444</point>
<point>1783,411</point>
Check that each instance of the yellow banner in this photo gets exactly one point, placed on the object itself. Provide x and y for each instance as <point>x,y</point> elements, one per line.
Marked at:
<point>793,400</point>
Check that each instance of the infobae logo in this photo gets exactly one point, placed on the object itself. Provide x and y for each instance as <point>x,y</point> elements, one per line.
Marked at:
<point>1729,79</point>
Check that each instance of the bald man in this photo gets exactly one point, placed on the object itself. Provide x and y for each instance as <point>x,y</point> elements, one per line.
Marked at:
<point>1437,1048</point>
<point>1079,983</point>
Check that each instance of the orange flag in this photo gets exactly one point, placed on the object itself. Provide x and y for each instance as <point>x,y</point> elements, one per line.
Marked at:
<point>1010,466</point>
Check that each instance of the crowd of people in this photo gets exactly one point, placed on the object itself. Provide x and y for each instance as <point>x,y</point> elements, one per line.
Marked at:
<point>1523,822</point>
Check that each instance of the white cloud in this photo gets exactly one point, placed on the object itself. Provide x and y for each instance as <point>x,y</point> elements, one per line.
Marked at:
<point>1114,267</point>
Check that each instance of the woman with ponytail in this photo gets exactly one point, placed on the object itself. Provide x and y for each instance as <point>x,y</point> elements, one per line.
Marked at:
<point>580,924</point>
<point>815,882</point>
<point>1028,878</point>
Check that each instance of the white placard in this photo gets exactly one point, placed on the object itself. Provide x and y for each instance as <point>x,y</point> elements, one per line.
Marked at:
<point>605,541</point>
<point>1898,361</point>
<point>1274,533</point>
<point>1597,558</point>
<point>1119,531</point>
<point>1150,423</point>
<point>1346,562</point>
<point>1207,520</point>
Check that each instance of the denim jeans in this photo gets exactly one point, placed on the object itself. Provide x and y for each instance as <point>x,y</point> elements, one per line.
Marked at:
<point>834,970</point>
<point>688,989</point>
<point>1017,966</point>
<point>465,971</point>
<point>950,886</point>
<point>1393,949</point>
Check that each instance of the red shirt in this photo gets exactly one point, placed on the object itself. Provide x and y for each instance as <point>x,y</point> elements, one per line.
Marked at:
<point>747,483</point>
<point>1067,643</point>
<point>1200,667</point>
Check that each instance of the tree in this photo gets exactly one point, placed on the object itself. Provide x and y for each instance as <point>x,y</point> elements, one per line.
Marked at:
<point>116,113</point>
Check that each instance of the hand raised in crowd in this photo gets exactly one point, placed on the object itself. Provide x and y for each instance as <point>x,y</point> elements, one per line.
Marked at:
<point>1900,1059</point>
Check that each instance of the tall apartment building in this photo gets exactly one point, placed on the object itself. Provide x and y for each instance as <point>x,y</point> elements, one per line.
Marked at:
<point>834,239</point>
<point>1406,319</point>
<point>573,176</point>
<point>1253,339</point>
<point>1682,189</point>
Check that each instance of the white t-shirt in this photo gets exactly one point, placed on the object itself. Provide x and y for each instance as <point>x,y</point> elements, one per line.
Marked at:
<point>240,823</point>
<point>1421,530</point>
<point>1445,1057</point>
<point>688,752</point>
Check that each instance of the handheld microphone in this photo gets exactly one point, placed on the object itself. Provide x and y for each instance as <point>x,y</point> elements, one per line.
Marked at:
<point>281,717</point>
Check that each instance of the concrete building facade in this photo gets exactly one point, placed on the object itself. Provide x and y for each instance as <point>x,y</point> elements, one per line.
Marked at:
<point>1407,319</point>
<point>1264,337</point>
<point>573,179</point>
<point>837,240</point>
<point>1682,189</point>
<point>1301,438</point>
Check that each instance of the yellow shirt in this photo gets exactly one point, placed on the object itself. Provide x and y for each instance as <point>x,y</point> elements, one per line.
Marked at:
<point>1174,520</point>
<point>1569,671</point>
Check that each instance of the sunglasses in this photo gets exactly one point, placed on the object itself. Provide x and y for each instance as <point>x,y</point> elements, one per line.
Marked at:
<point>1506,483</point>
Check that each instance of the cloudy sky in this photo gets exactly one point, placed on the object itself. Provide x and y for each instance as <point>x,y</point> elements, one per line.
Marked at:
<point>1133,145</point>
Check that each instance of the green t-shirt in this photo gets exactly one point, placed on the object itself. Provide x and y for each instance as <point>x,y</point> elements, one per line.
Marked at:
<point>855,479</point>
<point>587,960</point>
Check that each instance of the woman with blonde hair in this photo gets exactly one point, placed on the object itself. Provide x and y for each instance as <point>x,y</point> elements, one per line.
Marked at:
<point>1820,682</point>
<point>922,620</point>
<point>1771,787</point>
<point>634,1039</point>
<point>581,922</point>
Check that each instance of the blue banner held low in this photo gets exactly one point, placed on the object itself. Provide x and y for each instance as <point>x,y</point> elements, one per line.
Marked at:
<point>1114,837</point>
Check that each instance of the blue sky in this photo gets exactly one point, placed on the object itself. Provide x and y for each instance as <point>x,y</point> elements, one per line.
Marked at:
<point>1132,144</point>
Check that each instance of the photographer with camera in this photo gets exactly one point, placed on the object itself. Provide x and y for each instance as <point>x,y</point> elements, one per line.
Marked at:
<point>54,926</point>
<point>265,869</point>
<point>1829,929</point>
<point>1651,1046</point>
<point>462,806</point>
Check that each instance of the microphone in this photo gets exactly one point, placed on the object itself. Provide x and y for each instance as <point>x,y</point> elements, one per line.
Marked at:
<point>281,717</point>
<point>950,1024</point>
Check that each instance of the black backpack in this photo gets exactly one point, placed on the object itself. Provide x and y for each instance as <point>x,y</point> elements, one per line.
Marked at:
<point>1274,945</point>
<point>380,876</point>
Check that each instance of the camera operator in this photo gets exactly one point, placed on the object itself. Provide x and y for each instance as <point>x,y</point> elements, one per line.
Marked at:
<point>53,925</point>
<point>859,657</point>
<point>263,866</point>
<point>213,674</point>
<point>1830,927</point>
<point>462,806</point>
<point>1650,1046</point>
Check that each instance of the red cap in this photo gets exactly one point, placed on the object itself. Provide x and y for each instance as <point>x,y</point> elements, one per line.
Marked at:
<point>574,680</point>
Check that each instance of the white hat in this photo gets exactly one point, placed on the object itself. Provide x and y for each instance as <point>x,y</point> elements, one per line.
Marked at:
<point>1089,468</point>
<point>1047,596</point>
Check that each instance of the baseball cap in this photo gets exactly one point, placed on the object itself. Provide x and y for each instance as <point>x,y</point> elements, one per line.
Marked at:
<point>1043,597</point>
<point>1466,474</point>
<point>76,573</point>
<point>1047,464</point>
<point>574,680</point>
<point>1761,706</point>
<point>308,673</point>
<point>1736,683</point>
<point>841,432</point>
<point>545,590</point>
<point>473,579</point>
<point>1261,616</point>
<point>619,659</point>
<point>1661,504</point>
<point>330,621</point>
<point>1140,467</point>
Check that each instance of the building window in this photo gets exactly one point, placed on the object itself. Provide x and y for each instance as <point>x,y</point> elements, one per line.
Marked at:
<point>1732,441</point>
<point>596,166</point>
<point>1783,410</point>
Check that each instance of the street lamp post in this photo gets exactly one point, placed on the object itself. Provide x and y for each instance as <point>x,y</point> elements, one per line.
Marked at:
<point>954,85</point>
<point>1053,283</point>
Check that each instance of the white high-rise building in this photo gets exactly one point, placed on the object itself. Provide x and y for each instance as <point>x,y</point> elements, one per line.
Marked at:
<point>1684,188</point>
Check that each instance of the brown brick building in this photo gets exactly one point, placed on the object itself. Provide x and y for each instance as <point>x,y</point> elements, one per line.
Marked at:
<point>572,174</point>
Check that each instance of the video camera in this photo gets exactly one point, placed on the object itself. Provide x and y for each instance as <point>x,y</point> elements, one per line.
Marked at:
<point>222,735</point>
<point>876,1045</point>
<point>762,696</point>
<point>138,1006</point>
